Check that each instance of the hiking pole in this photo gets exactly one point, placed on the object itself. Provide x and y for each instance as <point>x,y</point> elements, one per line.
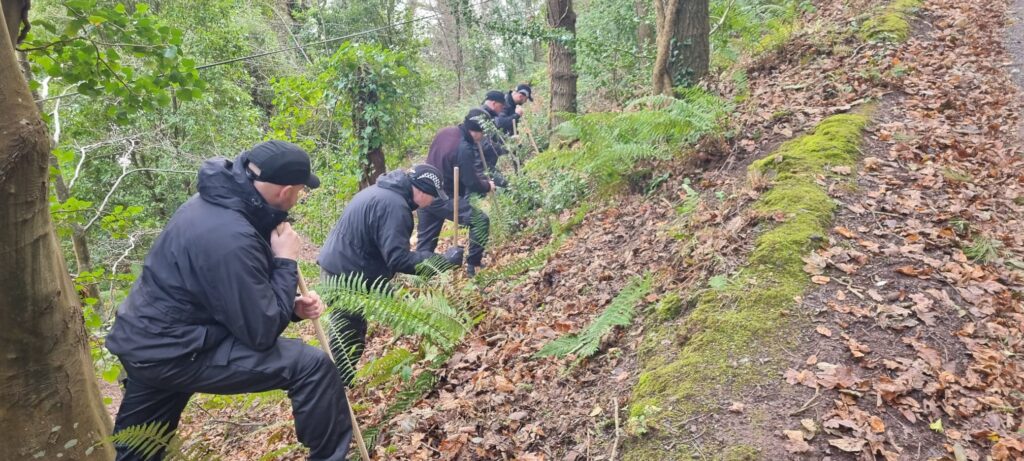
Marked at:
<point>326,346</point>
<point>455,206</point>
<point>526,129</point>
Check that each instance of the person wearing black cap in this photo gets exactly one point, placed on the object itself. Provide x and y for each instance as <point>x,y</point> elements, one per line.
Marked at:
<point>512,110</point>
<point>371,240</point>
<point>492,145</point>
<point>457,146</point>
<point>216,291</point>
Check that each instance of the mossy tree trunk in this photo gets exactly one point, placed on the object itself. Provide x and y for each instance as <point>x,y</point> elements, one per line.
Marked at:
<point>683,44</point>
<point>562,61</point>
<point>50,405</point>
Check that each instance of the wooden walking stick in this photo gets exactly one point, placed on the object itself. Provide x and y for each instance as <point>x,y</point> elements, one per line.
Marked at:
<point>455,206</point>
<point>326,346</point>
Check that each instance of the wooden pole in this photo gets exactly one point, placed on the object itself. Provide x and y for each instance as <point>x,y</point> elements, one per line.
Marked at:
<point>455,206</point>
<point>326,346</point>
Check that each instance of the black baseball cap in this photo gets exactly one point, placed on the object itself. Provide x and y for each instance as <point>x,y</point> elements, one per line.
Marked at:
<point>428,179</point>
<point>525,89</point>
<point>282,163</point>
<point>474,118</point>
<point>496,96</point>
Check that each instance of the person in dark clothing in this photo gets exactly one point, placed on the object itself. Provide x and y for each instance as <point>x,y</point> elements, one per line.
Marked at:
<point>457,146</point>
<point>216,291</point>
<point>371,239</point>
<point>492,145</point>
<point>512,111</point>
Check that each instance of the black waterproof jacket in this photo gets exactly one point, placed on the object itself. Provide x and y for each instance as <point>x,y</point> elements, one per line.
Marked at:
<point>506,119</point>
<point>210,275</point>
<point>372,235</point>
<point>492,146</point>
<point>453,146</point>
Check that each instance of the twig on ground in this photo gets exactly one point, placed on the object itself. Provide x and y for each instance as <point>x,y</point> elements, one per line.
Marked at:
<point>817,393</point>
<point>615,443</point>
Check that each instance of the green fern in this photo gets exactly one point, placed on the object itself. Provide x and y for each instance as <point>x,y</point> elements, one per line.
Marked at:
<point>405,399</point>
<point>386,367</point>
<point>425,314</point>
<point>619,313</point>
<point>345,346</point>
<point>151,439</point>
<point>489,276</point>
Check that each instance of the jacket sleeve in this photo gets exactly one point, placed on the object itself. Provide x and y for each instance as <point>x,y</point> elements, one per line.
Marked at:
<point>393,232</point>
<point>505,122</point>
<point>253,301</point>
<point>468,160</point>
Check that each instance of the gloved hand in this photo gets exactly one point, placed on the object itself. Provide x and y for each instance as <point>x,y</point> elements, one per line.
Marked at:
<point>499,179</point>
<point>454,256</point>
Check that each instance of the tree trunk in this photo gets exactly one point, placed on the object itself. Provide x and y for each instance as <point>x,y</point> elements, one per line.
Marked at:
<point>50,405</point>
<point>683,43</point>
<point>373,164</point>
<point>79,244</point>
<point>644,31</point>
<point>561,61</point>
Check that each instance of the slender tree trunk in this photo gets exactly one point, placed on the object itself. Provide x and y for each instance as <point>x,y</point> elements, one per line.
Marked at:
<point>50,406</point>
<point>79,243</point>
<point>644,30</point>
<point>561,61</point>
<point>683,44</point>
<point>373,165</point>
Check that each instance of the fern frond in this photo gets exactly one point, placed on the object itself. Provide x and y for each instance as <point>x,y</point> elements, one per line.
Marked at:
<point>428,315</point>
<point>489,276</point>
<point>345,346</point>
<point>620,312</point>
<point>405,399</point>
<point>384,368</point>
<point>147,440</point>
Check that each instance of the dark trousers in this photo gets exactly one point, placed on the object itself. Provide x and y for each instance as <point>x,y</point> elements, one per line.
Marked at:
<point>432,219</point>
<point>158,392</point>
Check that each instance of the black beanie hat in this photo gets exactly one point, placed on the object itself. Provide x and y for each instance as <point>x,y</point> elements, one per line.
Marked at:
<point>474,120</point>
<point>496,96</point>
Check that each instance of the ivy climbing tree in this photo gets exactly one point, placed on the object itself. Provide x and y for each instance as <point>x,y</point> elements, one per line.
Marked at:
<point>365,99</point>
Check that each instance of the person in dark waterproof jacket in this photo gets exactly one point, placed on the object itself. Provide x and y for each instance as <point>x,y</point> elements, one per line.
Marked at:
<point>371,239</point>
<point>512,112</point>
<point>216,291</point>
<point>492,145</point>
<point>457,146</point>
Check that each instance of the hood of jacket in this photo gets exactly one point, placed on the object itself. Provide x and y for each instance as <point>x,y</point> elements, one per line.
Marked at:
<point>398,182</point>
<point>224,183</point>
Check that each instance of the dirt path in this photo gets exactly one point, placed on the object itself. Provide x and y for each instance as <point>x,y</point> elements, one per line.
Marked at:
<point>919,332</point>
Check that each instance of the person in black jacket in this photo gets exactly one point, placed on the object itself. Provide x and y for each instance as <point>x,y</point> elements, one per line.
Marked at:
<point>457,146</point>
<point>512,111</point>
<point>216,291</point>
<point>492,145</point>
<point>371,239</point>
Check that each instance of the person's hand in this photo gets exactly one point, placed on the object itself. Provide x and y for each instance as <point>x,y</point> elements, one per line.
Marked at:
<point>454,256</point>
<point>309,306</point>
<point>284,242</point>
<point>493,187</point>
<point>519,111</point>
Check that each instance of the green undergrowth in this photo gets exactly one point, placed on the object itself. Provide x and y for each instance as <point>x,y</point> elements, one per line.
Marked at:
<point>890,24</point>
<point>735,333</point>
<point>604,147</point>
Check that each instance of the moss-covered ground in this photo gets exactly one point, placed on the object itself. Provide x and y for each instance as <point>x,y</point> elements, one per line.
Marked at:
<point>890,24</point>
<point>734,335</point>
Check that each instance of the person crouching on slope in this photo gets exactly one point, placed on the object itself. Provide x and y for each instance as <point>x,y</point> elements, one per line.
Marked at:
<point>457,146</point>
<point>215,293</point>
<point>371,240</point>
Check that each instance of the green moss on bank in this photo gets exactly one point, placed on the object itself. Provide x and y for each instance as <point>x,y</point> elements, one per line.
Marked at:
<point>891,23</point>
<point>724,340</point>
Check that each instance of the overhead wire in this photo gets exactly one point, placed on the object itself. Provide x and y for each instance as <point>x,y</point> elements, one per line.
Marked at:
<point>297,47</point>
